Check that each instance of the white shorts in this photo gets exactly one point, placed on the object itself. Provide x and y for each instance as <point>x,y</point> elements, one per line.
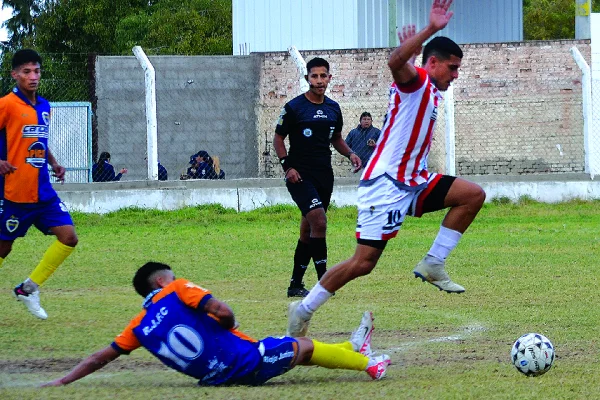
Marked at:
<point>382,207</point>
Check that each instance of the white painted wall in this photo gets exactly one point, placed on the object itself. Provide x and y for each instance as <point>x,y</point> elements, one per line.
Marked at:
<point>246,195</point>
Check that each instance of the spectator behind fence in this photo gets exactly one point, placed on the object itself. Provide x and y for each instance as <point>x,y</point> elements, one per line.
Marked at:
<point>201,166</point>
<point>363,138</point>
<point>103,171</point>
<point>162,172</point>
<point>219,173</point>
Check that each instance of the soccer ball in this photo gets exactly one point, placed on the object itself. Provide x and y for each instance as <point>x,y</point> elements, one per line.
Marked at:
<point>532,354</point>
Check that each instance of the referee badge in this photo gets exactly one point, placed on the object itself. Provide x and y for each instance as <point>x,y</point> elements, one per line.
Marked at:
<point>307,132</point>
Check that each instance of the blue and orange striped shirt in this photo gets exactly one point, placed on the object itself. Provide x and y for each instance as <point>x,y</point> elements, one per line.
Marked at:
<point>24,131</point>
<point>176,330</point>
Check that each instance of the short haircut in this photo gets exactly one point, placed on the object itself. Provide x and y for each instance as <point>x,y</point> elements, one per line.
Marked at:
<point>25,56</point>
<point>141,280</point>
<point>441,47</point>
<point>365,114</point>
<point>317,62</point>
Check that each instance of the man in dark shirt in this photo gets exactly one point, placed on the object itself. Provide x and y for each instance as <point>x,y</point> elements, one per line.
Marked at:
<point>363,138</point>
<point>312,121</point>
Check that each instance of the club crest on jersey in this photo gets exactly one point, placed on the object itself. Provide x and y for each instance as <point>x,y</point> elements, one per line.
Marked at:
<point>37,155</point>
<point>307,132</point>
<point>46,117</point>
<point>35,131</point>
<point>12,224</point>
<point>320,114</point>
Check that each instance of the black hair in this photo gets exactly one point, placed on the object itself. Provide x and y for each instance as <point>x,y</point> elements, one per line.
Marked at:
<point>141,281</point>
<point>441,47</point>
<point>365,114</point>
<point>25,56</point>
<point>104,156</point>
<point>316,62</point>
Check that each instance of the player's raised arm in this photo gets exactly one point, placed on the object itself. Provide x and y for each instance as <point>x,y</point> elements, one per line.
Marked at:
<point>91,364</point>
<point>402,70</point>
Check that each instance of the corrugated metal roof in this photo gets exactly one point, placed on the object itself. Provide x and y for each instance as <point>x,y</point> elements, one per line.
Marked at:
<point>274,25</point>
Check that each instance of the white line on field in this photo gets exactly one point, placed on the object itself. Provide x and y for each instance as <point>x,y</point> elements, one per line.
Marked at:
<point>465,333</point>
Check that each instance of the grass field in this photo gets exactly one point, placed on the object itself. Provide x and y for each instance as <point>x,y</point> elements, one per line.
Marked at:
<point>527,267</point>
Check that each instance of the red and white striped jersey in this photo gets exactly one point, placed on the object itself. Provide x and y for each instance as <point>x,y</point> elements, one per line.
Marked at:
<point>403,147</point>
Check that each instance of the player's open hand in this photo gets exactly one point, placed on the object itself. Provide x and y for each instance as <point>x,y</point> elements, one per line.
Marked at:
<point>59,172</point>
<point>292,176</point>
<point>6,167</point>
<point>439,15</point>
<point>356,162</point>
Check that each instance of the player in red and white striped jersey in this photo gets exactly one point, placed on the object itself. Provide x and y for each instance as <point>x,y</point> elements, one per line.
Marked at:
<point>396,181</point>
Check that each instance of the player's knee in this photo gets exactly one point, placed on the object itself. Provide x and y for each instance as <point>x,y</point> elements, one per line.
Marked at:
<point>362,267</point>
<point>477,197</point>
<point>69,239</point>
<point>318,223</point>
<point>305,350</point>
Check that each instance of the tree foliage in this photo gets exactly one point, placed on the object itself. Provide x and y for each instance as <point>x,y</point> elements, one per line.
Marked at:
<point>170,27</point>
<point>65,32</point>
<point>550,19</point>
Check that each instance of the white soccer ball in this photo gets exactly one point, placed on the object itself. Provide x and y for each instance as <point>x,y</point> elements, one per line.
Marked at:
<point>532,354</point>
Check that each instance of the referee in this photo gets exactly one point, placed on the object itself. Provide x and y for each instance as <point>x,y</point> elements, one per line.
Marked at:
<point>312,121</point>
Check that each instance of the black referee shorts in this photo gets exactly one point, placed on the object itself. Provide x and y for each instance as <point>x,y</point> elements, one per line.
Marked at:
<point>312,192</point>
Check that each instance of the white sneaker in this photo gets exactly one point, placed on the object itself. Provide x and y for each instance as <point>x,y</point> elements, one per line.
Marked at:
<point>361,337</point>
<point>432,270</point>
<point>377,366</point>
<point>31,300</point>
<point>297,326</point>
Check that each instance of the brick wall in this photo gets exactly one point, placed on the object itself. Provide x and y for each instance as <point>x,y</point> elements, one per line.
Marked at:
<point>517,105</point>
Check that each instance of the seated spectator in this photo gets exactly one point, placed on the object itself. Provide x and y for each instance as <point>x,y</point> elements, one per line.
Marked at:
<point>103,171</point>
<point>162,172</point>
<point>363,138</point>
<point>200,166</point>
<point>219,173</point>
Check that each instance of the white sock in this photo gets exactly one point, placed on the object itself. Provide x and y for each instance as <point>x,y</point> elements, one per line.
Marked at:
<point>444,243</point>
<point>317,296</point>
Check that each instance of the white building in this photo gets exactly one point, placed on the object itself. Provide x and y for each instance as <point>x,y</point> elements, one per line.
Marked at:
<point>274,25</point>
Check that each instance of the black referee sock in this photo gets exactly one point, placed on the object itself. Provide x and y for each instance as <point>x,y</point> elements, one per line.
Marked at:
<point>301,260</point>
<point>318,251</point>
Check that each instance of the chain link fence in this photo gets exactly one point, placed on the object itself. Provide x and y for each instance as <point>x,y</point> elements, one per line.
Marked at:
<point>216,116</point>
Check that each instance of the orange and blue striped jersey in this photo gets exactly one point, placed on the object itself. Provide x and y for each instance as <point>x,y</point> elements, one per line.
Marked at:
<point>176,330</point>
<point>24,131</point>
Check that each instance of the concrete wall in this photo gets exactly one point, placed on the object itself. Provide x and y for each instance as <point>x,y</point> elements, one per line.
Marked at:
<point>203,103</point>
<point>249,194</point>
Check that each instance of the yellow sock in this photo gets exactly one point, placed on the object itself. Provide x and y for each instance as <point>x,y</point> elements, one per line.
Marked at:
<point>334,356</point>
<point>345,345</point>
<point>53,257</point>
<point>1,261</point>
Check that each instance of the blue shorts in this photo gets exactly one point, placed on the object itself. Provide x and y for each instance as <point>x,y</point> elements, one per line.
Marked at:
<point>17,218</point>
<point>277,356</point>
